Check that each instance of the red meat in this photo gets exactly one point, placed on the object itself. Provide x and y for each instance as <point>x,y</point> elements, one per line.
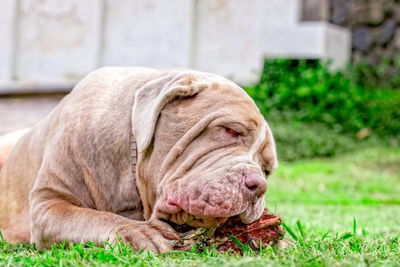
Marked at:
<point>265,231</point>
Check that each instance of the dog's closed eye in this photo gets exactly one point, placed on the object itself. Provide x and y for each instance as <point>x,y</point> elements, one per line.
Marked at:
<point>232,132</point>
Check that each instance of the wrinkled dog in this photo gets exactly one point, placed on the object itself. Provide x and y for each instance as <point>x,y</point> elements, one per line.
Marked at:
<point>130,149</point>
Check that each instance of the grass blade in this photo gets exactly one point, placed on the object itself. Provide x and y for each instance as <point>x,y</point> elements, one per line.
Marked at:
<point>300,227</point>
<point>354,228</point>
<point>242,247</point>
<point>345,236</point>
<point>291,233</point>
<point>325,236</point>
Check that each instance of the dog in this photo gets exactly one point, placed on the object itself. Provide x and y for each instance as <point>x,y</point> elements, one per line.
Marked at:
<point>132,151</point>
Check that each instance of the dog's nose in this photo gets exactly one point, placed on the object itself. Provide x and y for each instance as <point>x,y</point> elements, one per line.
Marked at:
<point>255,184</point>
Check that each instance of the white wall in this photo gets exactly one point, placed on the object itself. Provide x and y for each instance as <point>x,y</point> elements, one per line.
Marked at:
<point>53,43</point>
<point>57,40</point>
<point>154,33</point>
<point>7,29</point>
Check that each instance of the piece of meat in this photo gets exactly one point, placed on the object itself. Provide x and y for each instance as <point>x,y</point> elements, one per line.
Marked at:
<point>265,231</point>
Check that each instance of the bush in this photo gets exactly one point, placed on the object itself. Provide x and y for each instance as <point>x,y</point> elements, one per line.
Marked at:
<point>385,74</point>
<point>318,113</point>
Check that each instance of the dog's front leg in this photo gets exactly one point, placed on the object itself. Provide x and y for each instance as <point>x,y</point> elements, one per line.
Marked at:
<point>55,219</point>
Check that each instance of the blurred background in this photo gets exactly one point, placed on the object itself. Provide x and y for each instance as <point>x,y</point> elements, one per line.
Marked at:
<point>48,45</point>
<point>324,73</point>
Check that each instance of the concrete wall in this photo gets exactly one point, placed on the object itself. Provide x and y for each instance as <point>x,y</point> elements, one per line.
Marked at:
<point>50,44</point>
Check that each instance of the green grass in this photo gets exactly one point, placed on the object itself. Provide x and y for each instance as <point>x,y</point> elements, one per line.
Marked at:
<point>342,211</point>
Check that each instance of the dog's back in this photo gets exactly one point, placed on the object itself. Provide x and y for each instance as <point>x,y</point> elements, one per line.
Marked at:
<point>14,196</point>
<point>8,142</point>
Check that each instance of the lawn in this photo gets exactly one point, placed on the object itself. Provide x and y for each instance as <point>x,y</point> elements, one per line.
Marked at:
<point>342,211</point>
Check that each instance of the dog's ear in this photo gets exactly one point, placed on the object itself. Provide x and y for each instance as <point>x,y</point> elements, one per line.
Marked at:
<point>151,99</point>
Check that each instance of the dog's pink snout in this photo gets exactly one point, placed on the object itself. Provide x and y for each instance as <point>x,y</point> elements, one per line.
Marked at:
<point>256,185</point>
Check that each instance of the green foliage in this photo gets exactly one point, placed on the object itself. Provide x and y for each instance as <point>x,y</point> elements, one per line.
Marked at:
<point>335,249</point>
<point>332,250</point>
<point>385,74</point>
<point>314,94</point>
<point>316,112</point>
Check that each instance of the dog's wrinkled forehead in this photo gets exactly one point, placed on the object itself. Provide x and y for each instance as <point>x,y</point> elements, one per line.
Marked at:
<point>223,96</point>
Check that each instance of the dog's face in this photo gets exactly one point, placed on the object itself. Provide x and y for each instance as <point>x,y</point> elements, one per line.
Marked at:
<point>209,160</point>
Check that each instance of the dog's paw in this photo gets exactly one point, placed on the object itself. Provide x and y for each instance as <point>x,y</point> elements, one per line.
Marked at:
<point>152,235</point>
